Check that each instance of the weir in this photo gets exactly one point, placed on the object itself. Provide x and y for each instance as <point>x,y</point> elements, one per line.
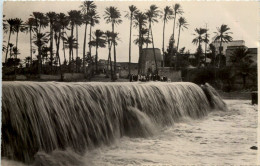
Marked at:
<point>48,116</point>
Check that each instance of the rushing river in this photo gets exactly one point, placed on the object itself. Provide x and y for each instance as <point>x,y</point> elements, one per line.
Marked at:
<point>175,124</point>
<point>221,138</point>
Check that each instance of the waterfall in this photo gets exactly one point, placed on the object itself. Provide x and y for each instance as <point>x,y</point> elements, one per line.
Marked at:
<point>50,116</point>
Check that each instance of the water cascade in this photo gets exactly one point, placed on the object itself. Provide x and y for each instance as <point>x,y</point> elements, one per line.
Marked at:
<point>50,116</point>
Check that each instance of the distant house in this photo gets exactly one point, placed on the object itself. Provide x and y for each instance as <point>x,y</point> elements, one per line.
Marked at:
<point>148,61</point>
<point>104,66</point>
<point>236,43</point>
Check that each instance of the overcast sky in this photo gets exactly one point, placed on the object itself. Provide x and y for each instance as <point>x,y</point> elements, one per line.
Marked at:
<point>241,17</point>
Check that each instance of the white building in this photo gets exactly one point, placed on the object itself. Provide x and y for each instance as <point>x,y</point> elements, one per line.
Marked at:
<point>237,43</point>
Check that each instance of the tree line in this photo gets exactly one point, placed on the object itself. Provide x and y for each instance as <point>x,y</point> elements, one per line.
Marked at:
<point>62,34</point>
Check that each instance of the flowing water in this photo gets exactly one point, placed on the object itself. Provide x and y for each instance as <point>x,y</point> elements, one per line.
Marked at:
<point>122,124</point>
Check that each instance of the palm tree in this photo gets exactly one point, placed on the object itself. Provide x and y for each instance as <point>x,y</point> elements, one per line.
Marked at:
<point>11,23</point>
<point>30,28</point>
<point>182,23</point>
<point>199,39</point>
<point>41,20</point>
<point>242,63</point>
<point>11,45</point>
<point>177,10</point>
<point>57,27</point>
<point>130,15</point>
<point>98,41</point>
<point>110,36</point>
<point>64,22</point>
<point>167,15</point>
<point>51,17</point>
<point>152,15</point>
<point>222,35</point>
<point>70,42</point>
<point>112,15</point>
<point>86,7</point>
<point>73,17</point>
<point>140,20</point>
<point>94,19</point>
<point>41,40</point>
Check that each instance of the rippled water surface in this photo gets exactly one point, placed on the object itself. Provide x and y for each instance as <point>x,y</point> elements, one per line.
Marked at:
<point>220,138</point>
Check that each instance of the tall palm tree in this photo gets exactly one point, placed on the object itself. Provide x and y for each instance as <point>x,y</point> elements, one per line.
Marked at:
<point>94,19</point>
<point>86,7</point>
<point>73,17</point>
<point>182,23</point>
<point>17,27</point>
<point>133,9</point>
<point>112,15</point>
<point>41,40</point>
<point>99,40</point>
<point>222,35</point>
<point>152,15</point>
<point>57,27</point>
<point>31,27</point>
<point>167,15</point>
<point>110,36</point>
<point>140,20</point>
<point>11,23</point>
<point>64,22</point>
<point>199,32</point>
<point>177,10</point>
<point>51,18</point>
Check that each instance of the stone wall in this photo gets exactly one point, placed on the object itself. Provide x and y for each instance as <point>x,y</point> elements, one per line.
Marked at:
<point>170,73</point>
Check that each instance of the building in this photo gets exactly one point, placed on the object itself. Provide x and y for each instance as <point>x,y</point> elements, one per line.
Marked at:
<point>253,54</point>
<point>237,43</point>
<point>229,52</point>
<point>148,61</point>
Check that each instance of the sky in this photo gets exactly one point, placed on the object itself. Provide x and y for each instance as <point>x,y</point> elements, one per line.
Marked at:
<point>241,17</point>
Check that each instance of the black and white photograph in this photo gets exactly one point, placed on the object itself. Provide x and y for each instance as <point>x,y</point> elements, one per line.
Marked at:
<point>129,83</point>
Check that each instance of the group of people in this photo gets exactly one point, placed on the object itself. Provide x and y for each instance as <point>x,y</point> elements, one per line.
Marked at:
<point>145,78</point>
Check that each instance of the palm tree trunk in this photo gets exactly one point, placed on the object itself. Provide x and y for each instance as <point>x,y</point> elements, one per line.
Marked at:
<point>174,29</point>
<point>174,41</point>
<point>199,54</point>
<point>31,45</point>
<point>109,61</point>
<point>156,67</point>
<point>163,43</point>
<point>96,59</point>
<point>90,39</point>
<point>58,54</point>
<point>178,38</point>
<point>178,45</point>
<point>140,49</point>
<point>84,49</point>
<point>115,69</point>
<point>77,50</point>
<point>8,44</point>
<point>129,64</point>
<point>205,52</point>
<point>51,45</point>
<point>16,52</point>
<point>220,53</point>
<point>146,49</point>
<point>17,43</point>
<point>64,47</point>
